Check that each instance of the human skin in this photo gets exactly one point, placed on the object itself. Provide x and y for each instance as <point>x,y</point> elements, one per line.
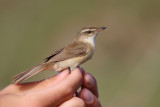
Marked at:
<point>56,91</point>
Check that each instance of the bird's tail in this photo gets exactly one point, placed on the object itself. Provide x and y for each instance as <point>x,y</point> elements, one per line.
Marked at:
<point>27,74</point>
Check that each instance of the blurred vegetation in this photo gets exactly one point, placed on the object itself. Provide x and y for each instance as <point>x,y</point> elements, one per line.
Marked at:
<point>126,63</point>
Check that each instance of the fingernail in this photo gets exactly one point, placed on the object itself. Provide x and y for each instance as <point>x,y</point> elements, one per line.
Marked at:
<point>88,97</point>
<point>89,80</point>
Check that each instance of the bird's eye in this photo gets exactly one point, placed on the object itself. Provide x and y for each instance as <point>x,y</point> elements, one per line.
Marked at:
<point>89,32</point>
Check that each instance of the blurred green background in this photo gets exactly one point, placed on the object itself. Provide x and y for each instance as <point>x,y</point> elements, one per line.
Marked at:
<point>126,62</point>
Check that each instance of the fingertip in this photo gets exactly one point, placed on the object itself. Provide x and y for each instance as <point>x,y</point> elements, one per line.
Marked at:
<point>90,83</point>
<point>77,72</point>
<point>87,96</point>
<point>89,80</point>
<point>77,76</point>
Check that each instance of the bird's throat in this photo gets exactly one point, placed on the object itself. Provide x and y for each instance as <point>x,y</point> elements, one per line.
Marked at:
<point>89,40</point>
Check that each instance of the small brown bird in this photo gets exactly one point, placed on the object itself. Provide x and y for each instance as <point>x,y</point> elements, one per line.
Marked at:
<point>77,52</point>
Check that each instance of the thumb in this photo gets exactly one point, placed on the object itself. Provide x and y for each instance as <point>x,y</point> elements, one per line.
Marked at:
<point>60,92</point>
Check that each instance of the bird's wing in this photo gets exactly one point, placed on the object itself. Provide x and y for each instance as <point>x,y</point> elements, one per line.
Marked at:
<point>74,49</point>
<point>52,55</point>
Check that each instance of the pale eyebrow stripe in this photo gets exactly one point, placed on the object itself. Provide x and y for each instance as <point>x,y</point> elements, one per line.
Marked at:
<point>87,30</point>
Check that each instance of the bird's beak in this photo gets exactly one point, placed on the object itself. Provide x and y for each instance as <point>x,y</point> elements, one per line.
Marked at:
<point>101,28</point>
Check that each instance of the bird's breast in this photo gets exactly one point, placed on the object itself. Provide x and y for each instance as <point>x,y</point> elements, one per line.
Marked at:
<point>73,62</point>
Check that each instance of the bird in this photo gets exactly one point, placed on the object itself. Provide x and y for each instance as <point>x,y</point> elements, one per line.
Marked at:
<point>80,50</point>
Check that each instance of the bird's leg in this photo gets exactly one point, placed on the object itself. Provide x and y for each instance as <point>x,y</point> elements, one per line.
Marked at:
<point>70,69</point>
<point>76,94</point>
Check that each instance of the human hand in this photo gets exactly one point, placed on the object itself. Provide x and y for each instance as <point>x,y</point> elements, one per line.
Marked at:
<point>89,91</point>
<point>49,92</point>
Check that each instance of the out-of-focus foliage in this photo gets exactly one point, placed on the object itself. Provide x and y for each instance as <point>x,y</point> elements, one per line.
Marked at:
<point>126,63</point>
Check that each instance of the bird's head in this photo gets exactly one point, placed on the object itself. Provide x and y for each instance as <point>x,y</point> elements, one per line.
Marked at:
<point>89,33</point>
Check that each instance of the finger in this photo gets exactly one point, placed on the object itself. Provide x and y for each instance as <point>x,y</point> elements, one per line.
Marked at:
<point>73,102</point>
<point>32,86</point>
<point>89,98</point>
<point>63,91</point>
<point>90,83</point>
